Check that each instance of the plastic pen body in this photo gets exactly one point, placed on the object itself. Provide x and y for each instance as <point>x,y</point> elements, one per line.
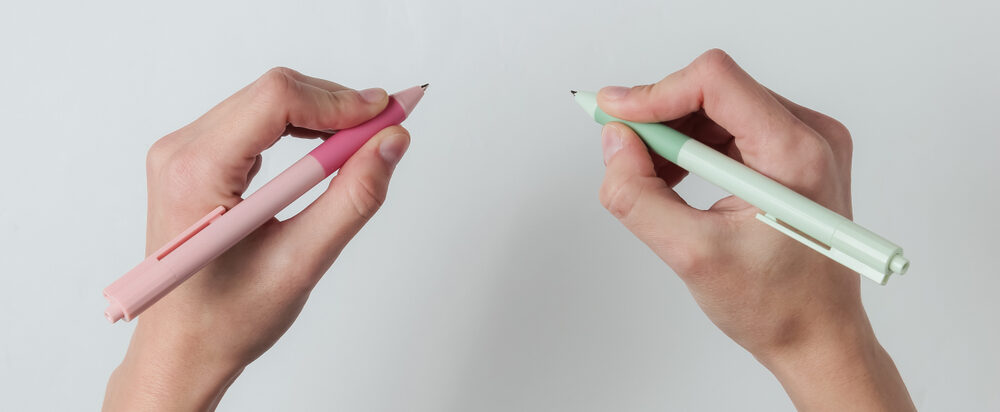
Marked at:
<point>166,269</point>
<point>784,209</point>
<point>220,230</point>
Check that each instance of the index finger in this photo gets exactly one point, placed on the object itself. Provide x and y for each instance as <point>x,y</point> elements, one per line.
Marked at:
<point>255,117</point>
<point>770,138</point>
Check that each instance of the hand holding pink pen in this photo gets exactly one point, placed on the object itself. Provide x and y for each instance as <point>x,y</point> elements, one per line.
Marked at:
<point>216,232</point>
<point>235,307</point>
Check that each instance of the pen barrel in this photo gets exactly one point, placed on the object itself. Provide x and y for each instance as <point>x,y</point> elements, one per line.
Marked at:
<point>795,215</point>
<point>165,270</point>
<point>242,219</point>
<point>827,227</point>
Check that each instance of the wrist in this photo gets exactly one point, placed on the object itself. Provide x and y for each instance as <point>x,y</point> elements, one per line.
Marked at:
<point>843,367</point>
<point>166,375</point>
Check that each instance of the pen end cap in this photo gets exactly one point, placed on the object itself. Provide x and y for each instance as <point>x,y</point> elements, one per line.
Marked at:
<point>899,264</point>
<point>114,313</point>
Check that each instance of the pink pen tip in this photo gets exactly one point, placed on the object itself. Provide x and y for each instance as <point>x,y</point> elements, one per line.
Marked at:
<point>409,98</point>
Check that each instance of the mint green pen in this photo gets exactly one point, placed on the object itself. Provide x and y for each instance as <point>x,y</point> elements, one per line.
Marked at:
<point>820,228</point>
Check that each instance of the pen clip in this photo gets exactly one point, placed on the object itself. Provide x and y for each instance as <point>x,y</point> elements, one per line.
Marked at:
<point>824,249</point>
<point>189,233</point>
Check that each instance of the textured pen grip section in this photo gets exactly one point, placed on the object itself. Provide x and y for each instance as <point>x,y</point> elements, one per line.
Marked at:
<point>335,151</point>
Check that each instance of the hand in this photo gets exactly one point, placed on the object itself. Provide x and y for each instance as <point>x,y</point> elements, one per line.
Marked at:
<point>190,346</point>
<point>797,311</point>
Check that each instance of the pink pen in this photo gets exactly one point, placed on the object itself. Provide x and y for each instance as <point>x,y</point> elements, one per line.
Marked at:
<point>218,231</point>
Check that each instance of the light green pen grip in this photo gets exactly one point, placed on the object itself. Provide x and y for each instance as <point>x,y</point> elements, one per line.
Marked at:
<point>787,211</point>
<point>663,140</point>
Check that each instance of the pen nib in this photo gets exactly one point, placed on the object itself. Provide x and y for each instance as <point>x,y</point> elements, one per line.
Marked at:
<point>424,86</point>
<point>573,91</point>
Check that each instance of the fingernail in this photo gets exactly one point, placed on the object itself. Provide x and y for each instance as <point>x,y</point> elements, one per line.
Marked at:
<point>611,142</point>
<point>372,95</point>
<point>615,92</point>
<point>392,148</point>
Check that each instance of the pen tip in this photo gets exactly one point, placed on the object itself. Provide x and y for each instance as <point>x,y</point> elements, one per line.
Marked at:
<point>573,91</point>
<point>424,86</point>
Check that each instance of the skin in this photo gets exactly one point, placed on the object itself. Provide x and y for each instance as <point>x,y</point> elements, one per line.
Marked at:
<point>797,312</point>
<point>191,345</point>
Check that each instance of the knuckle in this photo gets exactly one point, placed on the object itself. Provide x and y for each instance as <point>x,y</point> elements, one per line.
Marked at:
<point>838,135</point>
<point>367,196</point>
<point>643,89</point>
<point>157,154</point>
<point>694,254</point>
<point>340,101</point>
<point>845,149</point>
<point>686,253</point>
<point>166,150</point>
<point>178,166</point>
<point>715,61</point>
<point>687,259</point>
<point>831,130</point>
<point>834,127</point>
<point>177,176</point>
<point>816,165</point>
<point>276,83</point>
<point>802,159</point>
<point>620,199</point>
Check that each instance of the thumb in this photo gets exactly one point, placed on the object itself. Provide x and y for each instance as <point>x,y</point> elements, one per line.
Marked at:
<point>646,204</point>
<point>324,227</point>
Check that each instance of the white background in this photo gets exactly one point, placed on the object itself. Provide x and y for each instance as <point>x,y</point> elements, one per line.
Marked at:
<point>493,280</point>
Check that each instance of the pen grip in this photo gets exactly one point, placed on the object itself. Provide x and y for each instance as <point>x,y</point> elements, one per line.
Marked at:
<point>335,151</point>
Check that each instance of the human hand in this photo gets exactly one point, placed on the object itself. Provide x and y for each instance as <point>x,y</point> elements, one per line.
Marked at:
<point>191,345</point>
<point>797,311</point>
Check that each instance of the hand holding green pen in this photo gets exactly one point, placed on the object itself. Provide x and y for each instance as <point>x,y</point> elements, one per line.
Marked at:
<point>797,311</point>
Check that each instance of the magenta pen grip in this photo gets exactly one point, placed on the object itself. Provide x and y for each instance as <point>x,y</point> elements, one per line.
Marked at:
<point>335,151</point>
